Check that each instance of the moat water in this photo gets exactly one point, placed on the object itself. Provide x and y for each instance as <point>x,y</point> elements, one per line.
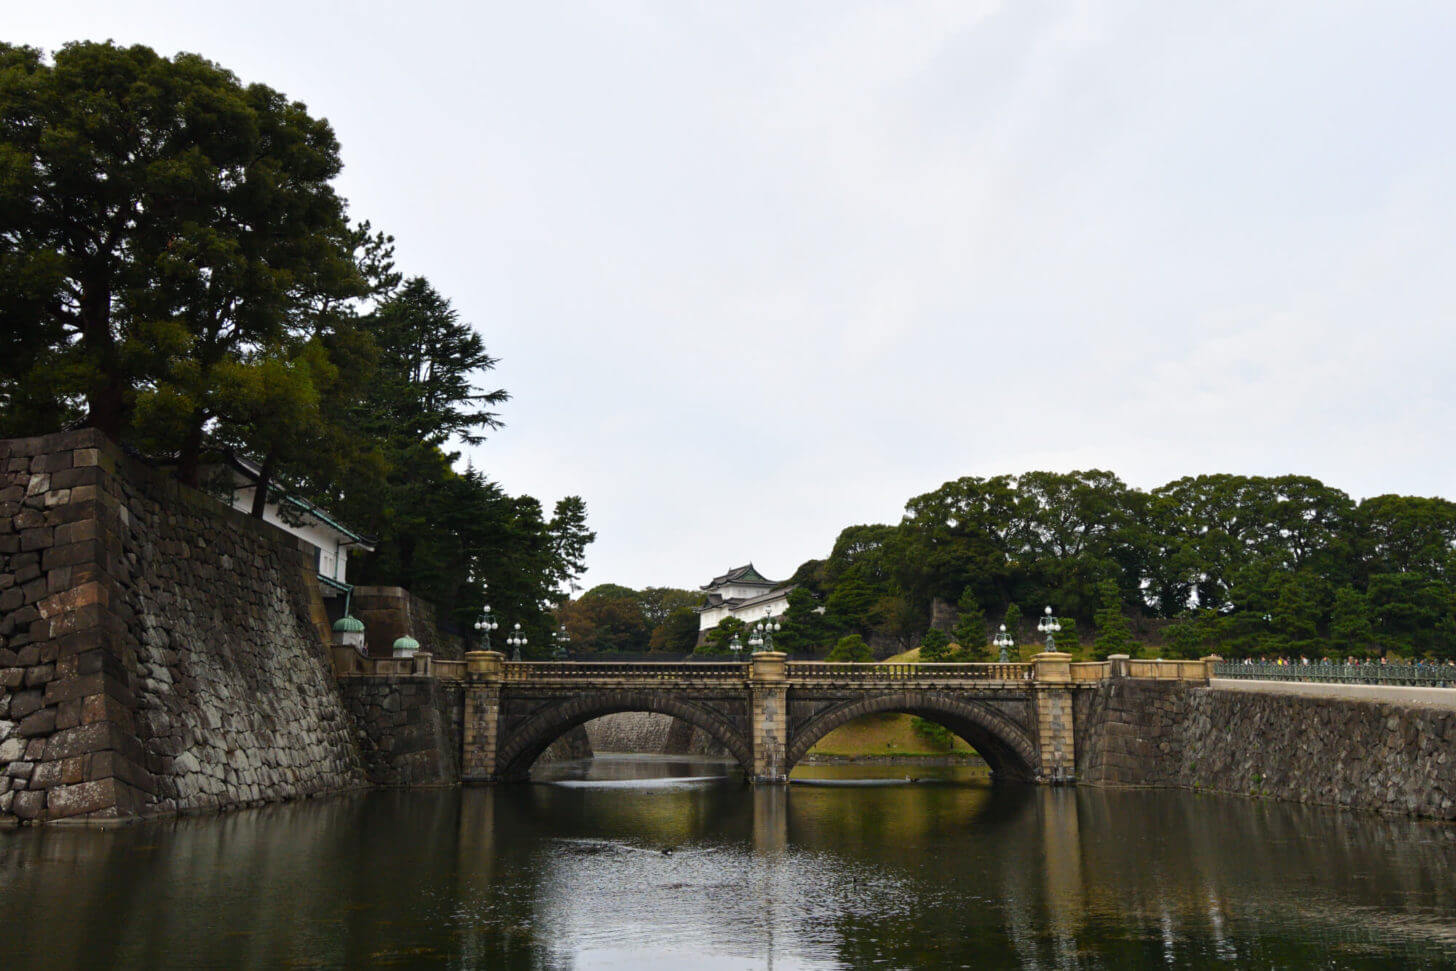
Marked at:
<point>669,862</point>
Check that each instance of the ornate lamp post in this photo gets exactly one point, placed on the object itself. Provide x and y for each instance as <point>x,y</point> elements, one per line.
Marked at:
<point>1005,642</point>
<point>516,640</point>
<point>763,632</point>
<point>562,639</point>
<point>736,646</point>
<point>1049,626</point>
<point>485,625</point>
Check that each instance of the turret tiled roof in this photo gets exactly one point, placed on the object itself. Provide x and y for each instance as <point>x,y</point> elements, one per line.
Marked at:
<point>741,574</point>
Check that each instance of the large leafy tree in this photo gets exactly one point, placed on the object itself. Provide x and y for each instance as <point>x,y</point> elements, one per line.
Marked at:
<point>163,221</point>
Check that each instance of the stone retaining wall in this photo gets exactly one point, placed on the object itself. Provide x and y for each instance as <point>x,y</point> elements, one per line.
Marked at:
<point>408,729</point>
<point>652,733</point>
<point>391,612</point>
<point>159,652</point>
<point>1364,755</point>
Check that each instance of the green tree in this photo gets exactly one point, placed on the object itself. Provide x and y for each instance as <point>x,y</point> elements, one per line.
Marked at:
<point>1194,634</point>
<point>935,647</point>
<point>658,603</point>
<point>851,647</point>
<point>569,537</point>
<point>678,632</point>
<point>719,640</point>
<point>936,735</point>
<point>1413,614</point>
<point>853,606</point>
<point>607,619</point>
<point>1351,631</point>
<point>1012,620</point>
<point>804,626</point>
<point>970,628</point>
<point>158,219</point>
<point>1114,635</point>
<point>1068,639</point>
<point>962,534</point>
<point>426,387</point>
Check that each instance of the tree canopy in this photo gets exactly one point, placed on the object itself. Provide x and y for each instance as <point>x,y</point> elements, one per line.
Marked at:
<point>1239,564</point>
<point>182,275</point>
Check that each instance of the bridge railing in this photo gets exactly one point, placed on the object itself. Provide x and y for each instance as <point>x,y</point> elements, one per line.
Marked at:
<point>625,670</point>
<point>1416,675</point>
<point>1167,670</point>
<point>1090,670</point>
<point>901,671</point>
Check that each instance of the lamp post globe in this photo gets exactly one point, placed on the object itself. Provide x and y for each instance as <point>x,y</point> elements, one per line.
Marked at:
<point>763,633</point>
<point>485,625</point>
<point>562,639</point>
<point>517,640</point>
<point>1004,642</point>
<point>1050,626</point>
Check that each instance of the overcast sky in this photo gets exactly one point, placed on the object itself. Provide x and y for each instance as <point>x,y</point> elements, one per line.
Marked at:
<point>756,272</point>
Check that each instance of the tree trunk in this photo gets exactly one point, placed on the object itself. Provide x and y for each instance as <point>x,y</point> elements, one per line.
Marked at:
<point>106,392</point>
<point>265,479</point>
<point>189,460</point>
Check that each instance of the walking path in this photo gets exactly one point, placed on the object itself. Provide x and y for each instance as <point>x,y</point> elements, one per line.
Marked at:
<point>1439,697</point>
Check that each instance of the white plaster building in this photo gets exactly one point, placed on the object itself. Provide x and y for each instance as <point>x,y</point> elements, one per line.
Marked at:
<point>744,593</point>
<point>303,519</point>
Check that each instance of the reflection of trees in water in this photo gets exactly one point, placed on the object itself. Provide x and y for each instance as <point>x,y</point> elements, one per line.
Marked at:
<point>1134,877</point>
<point>903,875</point>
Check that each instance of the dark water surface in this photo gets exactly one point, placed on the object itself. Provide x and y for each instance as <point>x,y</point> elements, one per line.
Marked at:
<point>640,862</point>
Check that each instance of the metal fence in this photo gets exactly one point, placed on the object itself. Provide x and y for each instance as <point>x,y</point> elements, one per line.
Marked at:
<point>1418,675</point>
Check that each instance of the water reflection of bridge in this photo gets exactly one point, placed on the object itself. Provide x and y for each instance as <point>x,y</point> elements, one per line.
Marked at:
<point>769,711</point>
<point>972,875</point>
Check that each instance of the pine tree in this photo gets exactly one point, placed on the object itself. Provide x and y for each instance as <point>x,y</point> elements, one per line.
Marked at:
<point>935,647</point>
<point>1114,634</point>
<point>851,648</point>
<point>1012,620</point>
<point>970,628</point>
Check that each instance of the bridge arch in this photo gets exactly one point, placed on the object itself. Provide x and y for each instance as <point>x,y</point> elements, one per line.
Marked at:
<point>544,726</point>
<point>1005,745</point>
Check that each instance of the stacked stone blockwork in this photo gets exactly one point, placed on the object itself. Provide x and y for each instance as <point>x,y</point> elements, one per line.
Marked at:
<point>1364,755</point>
<point>408,728</point>
<point>389,613</point>
<point>159,652</point>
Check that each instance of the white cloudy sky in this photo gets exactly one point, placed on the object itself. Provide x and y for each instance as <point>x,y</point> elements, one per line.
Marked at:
<point>757,271</point>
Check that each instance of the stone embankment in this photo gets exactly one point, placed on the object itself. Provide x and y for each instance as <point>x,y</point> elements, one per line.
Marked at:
<point>1365,755</point>
<point>646,732</point>
<point>159,652</point>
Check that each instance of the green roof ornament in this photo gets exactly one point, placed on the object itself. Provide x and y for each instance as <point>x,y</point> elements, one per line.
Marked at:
<point>348,624</point>
<point>406,646</point>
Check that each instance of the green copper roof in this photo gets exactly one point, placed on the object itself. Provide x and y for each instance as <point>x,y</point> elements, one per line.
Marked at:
<point>349,625</point>
<point>406,643</point>
<point>739,574</point>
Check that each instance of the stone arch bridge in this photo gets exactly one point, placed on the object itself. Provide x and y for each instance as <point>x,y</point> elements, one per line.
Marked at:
<point>768,711</point>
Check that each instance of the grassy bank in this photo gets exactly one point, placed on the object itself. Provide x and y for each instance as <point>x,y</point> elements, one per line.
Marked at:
<point>887,735</point>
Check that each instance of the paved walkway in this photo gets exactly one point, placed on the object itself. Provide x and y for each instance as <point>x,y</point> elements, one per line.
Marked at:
<point>1439,697</point>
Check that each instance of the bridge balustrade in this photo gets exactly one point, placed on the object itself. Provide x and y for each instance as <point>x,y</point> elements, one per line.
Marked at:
<point>906,671</point>
<point>1090,670</point>
<point>625,671</point>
